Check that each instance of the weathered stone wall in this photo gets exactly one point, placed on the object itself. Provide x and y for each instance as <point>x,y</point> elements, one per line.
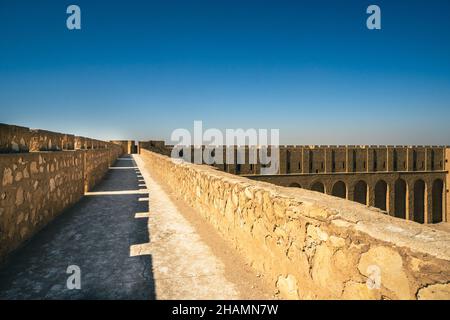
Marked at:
<point>335,159</point>
<point>96,164</point>
<point>37,186</point>
<point>371,175</point>
<point>155,146</point>
<point>128,146</point>
<point>14,138</point>
<point>314,246</point>
<point>447,183</point>
<point>387,199</point>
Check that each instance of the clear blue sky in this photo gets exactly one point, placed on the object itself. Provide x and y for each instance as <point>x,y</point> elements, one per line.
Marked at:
<point>139,69</point>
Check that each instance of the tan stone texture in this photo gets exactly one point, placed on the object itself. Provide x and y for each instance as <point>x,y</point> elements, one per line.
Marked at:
<point>307,244</point>
<point>37,186</point>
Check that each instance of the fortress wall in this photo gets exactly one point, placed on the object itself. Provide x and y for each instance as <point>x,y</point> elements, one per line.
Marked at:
<point>42,140</point>
<point>311,245</point>
<point>14,138</point>
<point>96,164</point>
<point>380,158</point>
<point>402,159</point>
<point>317,159</point>
<point>387,199</point>
<point>339,155</point>
<point>128,146</point>
<point>37,186</point>
<point>420,159</point>
<point>295,160</point>
<point>344,170</point>
<point>123,144</point>
<point>338,159</point>
<point>447,181</point>
<point>438,159</point>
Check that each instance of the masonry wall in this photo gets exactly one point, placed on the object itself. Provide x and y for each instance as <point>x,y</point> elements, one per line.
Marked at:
<point>37,186</point>
<point>337,159</point>
<point>96,164</point>
<point>310,245</point>
<point>371,175</point>
<point>386,199</point>
<point>447,168</point>
<point>156,146</point>
<point>128,146</point>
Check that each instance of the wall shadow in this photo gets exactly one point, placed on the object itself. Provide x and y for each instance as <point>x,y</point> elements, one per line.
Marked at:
<point>122,178</point>
<point>95,234</point>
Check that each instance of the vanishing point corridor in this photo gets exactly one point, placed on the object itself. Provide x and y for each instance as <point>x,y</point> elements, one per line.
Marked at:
<point>124,249</point>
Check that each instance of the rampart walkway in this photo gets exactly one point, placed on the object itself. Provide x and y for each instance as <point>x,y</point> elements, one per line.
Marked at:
<point>123,249</point>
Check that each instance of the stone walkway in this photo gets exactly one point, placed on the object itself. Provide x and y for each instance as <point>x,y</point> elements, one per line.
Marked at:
<point>184,267</point>
<point>107,235</point>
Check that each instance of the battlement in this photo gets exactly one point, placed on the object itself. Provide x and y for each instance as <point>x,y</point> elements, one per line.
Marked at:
<point>407,182</point>
<point>311,245</point>
<point>328,159</point>
<point>42,174</point>
<point>15,139</point>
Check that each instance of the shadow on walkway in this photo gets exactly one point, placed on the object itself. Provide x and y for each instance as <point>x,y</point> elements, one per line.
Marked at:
<point>96,235</point>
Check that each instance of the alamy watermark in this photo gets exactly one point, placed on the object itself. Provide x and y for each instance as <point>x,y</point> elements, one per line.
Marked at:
<point>74,280</point>
<point>73,21</point>
<point>374,20</point>
<point>232,147</point>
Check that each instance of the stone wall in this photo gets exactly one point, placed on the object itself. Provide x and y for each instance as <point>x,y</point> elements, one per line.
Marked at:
<point>157,146</point>
<point>37,186</point>
<point>96,164</point>
<point>380,191</point>
<point>311,245</point>
<point>128,146</point>
<point>331,159</point>
<point>447,184</point>
<point>14,138</point>
<point>408,182</point>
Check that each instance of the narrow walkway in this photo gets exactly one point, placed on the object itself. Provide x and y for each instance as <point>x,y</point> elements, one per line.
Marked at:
<point>126,250</point>
<point>95,235</point>
<point>184,267</point>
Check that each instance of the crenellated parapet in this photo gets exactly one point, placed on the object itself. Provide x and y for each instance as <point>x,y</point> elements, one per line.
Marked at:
<point>333,159</point>
<point>15,139</point>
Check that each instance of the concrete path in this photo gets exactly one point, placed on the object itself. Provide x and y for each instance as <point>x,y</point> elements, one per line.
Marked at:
<point>107,235</point>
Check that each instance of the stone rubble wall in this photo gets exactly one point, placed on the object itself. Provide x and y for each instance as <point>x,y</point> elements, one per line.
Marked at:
<point>157,146</point>
<point>313,159</point>
<point>96,164</point>
<point>128,146</point>
<point>15,139</point>
<point>37,186</point>
<point>311,245</point>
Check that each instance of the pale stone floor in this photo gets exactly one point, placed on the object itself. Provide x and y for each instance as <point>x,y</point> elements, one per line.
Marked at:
<point>107,234</point>
<point>184,266</point>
